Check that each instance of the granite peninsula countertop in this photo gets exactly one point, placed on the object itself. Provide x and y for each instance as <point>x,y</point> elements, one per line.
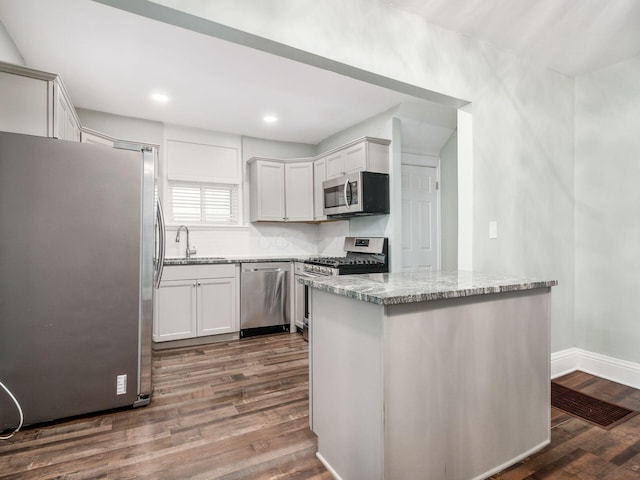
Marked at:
<point>397,288</point>
<point>232,259</point>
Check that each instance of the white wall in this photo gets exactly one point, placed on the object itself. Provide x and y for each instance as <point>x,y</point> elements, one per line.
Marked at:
<point>377,126</point>
<point>8,51</point>
<point>607,270</point>
<point>247,240</point>
<point>250,239</point>
<point>260,147</point>
<point>449,203</point>
<point>122,128</point>
<point>522,122</point>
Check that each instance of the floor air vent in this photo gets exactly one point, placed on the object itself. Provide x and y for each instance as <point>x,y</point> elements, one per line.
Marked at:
<point>595,411</point>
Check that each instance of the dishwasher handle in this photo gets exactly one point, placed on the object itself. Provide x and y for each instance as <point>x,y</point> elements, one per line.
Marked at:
<point>264,268</point>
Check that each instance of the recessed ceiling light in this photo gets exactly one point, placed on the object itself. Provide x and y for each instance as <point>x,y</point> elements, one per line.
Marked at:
<point>160,97</point>
<point>270,119</point>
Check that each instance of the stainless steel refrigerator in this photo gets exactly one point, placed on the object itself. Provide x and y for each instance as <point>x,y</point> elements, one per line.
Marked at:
<point>77,241</point>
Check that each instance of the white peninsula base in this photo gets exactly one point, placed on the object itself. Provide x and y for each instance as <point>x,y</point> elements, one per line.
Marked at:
<point>447,389</point>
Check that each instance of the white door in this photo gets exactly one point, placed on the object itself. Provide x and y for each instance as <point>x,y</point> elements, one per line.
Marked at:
<point>420,210</point>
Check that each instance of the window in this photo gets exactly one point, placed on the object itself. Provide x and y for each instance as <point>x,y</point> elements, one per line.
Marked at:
<point>203,203</point>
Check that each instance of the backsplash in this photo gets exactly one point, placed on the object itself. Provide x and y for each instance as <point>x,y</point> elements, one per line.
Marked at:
<point>260,239</point>
<point>273,239</point>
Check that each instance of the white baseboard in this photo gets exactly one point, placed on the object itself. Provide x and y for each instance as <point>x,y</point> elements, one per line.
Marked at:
<point>333,473</point>
<point>571,359</point>
<point>564,361</point>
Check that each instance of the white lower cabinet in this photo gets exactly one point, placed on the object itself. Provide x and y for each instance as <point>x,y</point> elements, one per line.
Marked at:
<point>197,301</point>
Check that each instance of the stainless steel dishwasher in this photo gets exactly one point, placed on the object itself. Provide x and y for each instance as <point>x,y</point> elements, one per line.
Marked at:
<point>264,298</point>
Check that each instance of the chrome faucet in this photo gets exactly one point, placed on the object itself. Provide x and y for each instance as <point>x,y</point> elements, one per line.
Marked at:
<point>190,250</point>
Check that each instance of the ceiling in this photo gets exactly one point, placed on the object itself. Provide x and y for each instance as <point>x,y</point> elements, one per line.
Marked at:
<point>112,60</point>
<point>568,36</point>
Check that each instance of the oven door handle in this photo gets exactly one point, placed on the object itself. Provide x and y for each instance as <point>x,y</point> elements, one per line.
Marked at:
<point>315,275</point>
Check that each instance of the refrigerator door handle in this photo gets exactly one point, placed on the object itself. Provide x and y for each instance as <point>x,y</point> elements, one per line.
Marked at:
<point>161,244</point>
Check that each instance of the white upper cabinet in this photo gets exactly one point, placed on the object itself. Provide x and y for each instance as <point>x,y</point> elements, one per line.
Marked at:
<point>370,154</point>
<point>298,182</point>
<point>36,103</point>
<point>281,191</point>
<point>334,164</point>
<point>267,191</point>
<point>291,190</point>
<point>355,157</point>
<point>23,104</point>
<point>319,176</point>
<point>66,125</point>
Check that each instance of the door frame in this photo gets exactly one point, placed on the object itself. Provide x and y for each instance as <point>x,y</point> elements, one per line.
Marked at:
<point>423,160</point>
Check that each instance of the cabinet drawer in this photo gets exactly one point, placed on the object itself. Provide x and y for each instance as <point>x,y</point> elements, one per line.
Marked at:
<point>188,272</point>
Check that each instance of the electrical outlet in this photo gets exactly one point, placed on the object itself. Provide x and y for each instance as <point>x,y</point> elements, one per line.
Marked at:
<point>121,384</point>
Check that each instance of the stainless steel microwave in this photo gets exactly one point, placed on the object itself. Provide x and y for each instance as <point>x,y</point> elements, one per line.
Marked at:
<point>356,194</point>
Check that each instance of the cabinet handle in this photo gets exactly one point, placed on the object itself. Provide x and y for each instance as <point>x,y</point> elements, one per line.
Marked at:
<point>199,284</point>
<point>195,284</point>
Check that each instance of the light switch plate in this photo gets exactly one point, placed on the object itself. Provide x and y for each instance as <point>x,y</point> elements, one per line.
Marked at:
<point>493,229</point>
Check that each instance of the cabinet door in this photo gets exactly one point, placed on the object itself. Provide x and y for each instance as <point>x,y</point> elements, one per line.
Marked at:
<point>65,124</point>
<point>335,165</point>
<point>72,129</point>
<point>355,158</point>
<point>217,306</point>
<point>175,315</point>
<point>299,192</point>
<point>23,104</point>
<point>319,176</point>
<point>61,109</point>
<point>270,191</point>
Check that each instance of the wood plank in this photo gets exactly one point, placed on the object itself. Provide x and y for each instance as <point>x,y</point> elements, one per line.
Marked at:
<point>579,450</point>
<point>239,410</point>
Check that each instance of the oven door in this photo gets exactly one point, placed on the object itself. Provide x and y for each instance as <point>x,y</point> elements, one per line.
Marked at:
<point>303,296</point>
<point>343,194</point>
<point>305,323</point>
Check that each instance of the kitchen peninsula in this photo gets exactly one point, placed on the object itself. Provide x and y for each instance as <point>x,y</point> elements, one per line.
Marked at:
<point>441,375</point>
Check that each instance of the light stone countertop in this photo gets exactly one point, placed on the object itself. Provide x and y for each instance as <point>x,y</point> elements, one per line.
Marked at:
<point>397,288</point>
<point>234,259</point>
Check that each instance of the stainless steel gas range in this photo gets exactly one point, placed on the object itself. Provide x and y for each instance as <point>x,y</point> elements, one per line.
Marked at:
<point>363,255</point>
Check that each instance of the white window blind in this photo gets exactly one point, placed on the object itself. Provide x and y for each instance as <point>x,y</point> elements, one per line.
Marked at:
<point>204,203</point>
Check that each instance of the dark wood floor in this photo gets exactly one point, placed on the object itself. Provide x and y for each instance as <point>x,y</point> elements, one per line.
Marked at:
<point>234,410</point>
<point>579,450</point>
<point>239,410</point>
